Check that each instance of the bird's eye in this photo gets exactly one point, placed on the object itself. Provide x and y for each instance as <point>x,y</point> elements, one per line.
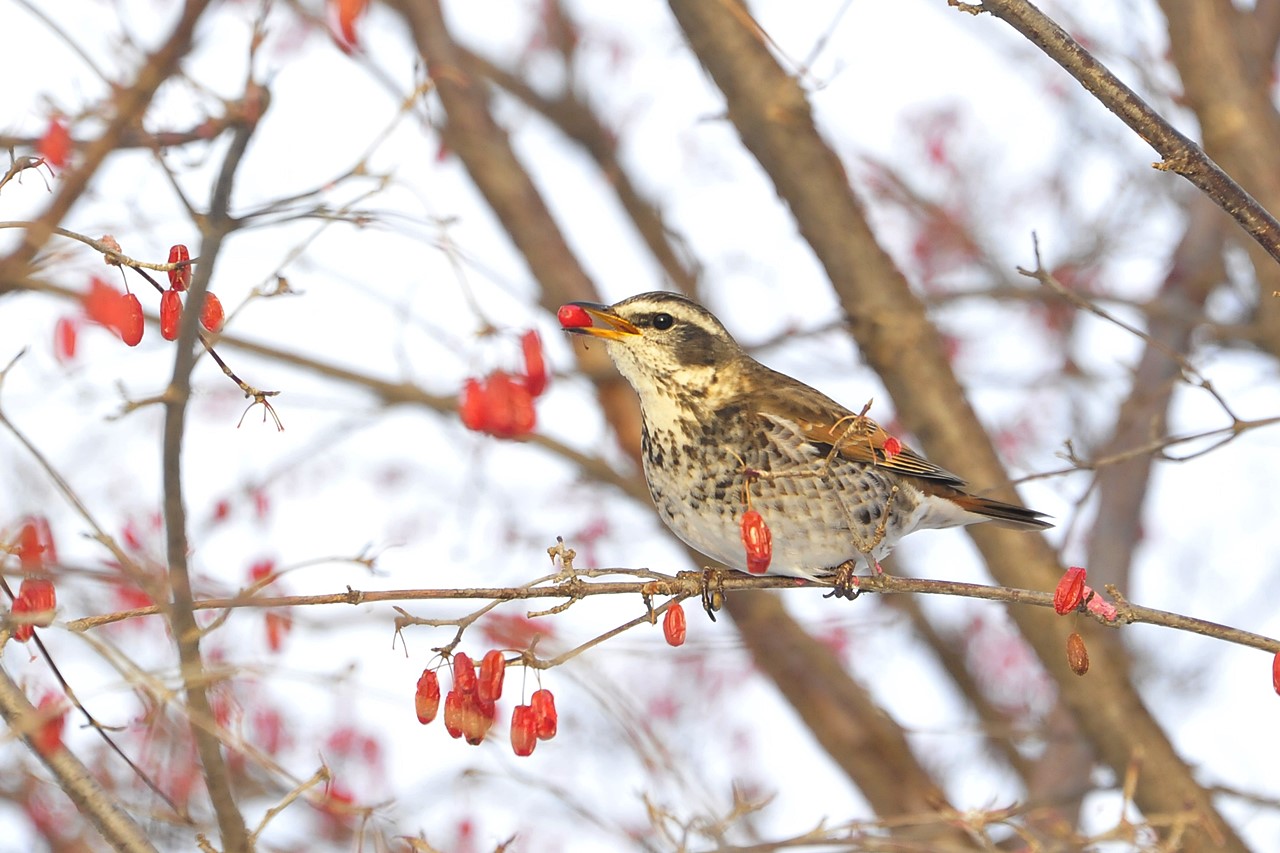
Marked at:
<point>663,321</point>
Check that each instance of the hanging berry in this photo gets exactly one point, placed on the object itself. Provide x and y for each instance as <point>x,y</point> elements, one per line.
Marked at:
<point>426,698</point>
<point>211,313</point>
<point>464,673</point>
<point>535,367</point>
<point>493,669</point>
<point>170,314</point>
<point>131,322</point>
<point>544,714</point>
<point>524,730</point>
<point>758,541</point>
<point>1077,654</point>
<point>674,625</point>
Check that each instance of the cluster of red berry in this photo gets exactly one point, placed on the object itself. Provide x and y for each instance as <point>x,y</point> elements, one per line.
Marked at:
<point>122,312</point>
<point>470,707</point>
<point>501,404</point>
<point>211,314</point>
<point>36,599</point>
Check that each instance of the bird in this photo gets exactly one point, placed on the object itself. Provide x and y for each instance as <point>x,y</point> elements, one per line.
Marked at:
<point>724,436</point>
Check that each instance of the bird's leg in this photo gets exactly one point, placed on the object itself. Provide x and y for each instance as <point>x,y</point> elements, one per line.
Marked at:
<point>712,591</point>
<point>845,581</point>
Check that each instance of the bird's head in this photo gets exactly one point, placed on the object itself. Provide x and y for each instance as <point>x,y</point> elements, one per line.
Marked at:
<point>660,342</point>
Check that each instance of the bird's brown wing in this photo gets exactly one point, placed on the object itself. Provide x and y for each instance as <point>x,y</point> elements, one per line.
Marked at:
<point>834,431</point>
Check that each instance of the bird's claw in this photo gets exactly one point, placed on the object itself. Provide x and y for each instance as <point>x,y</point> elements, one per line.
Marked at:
<point>845,582</point>
<point>712,591</point>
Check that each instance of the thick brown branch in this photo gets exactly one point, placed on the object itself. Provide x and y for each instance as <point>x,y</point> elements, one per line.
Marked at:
<point>772,115</point>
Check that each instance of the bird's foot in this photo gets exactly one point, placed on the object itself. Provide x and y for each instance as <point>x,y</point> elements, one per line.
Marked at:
<point>845,582</point>
<point>712,591</point>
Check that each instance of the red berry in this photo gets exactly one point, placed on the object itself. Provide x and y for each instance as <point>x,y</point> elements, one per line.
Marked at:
<point>181,277</point>
<point>473,407</point>
<point>211,313</point>
<point>1070,591</point>
<point>674,625</point>
<point>64,339</point>
<point>48,550</point>
<point>535,368</point>
<point>509,405</point>
<point>426,699</point>
<point>464,673</point>
<point>131,320</point>
<point>477,719</point>
<point>55,145</point>
<point>278,625</point>
<point>40,598</point>
<point>546,721</point>
<point>26,630</point>
<point>493,668</point>
<point>758,541</point>
<point>892,447</point>
<point>524,735</point>
<point>454,708</point>
<point>1275,672</point>
<point>48,738</point>
<point>170,314</point>
<point>30,548</point>
<point>348,12</point>
<point>573,317</point>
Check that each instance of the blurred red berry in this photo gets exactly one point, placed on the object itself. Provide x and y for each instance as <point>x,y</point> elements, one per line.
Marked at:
<point>573,317</point>
<point>535,367</point>
<point>179,278</point>
<point>472,407</point>
<point>41,598</point>
<point>64,339</point>
<point>493,668</point>
<point>1275,672</point>
<point>1070,591</point>
<point>25,631</point>
<point>170,314</point>
<point>278,624</point>
<point>509,405</point>
<point>48,738</point>
<point>211,313</point>
<point>758,541</point>
<point>426,698</point>
<point>347,12</point>
<point>524,726</point>
<point>892,447</point>
<point>30,548</point>
<point>544,714</point>
<point>674,625</point>
<point>55,145</point>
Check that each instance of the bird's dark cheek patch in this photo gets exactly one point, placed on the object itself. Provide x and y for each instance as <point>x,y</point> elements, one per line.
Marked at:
<point>695,348</point>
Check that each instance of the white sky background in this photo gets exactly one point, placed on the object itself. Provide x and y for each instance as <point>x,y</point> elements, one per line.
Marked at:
<point>449,508</point>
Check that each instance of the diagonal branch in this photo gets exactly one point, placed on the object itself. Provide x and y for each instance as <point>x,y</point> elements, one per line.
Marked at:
<point>772,115</point>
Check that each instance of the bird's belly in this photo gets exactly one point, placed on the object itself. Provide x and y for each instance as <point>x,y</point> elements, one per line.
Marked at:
<point>819,517</point>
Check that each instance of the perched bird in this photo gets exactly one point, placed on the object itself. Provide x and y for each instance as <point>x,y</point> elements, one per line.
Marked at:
<point>725,436</point>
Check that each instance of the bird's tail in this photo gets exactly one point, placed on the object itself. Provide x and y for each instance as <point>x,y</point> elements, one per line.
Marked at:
<point>1003,514</point>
